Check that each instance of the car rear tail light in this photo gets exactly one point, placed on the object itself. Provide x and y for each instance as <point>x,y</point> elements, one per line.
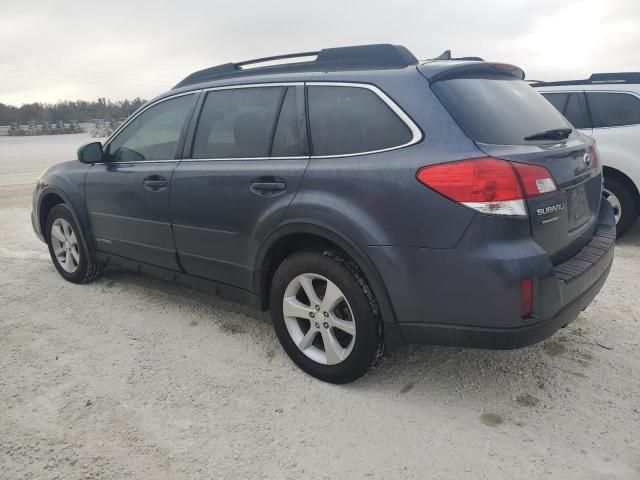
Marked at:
<point>526,297</point>
<point>535,180</point>
<point>488,185</point>
<point>595,156</point>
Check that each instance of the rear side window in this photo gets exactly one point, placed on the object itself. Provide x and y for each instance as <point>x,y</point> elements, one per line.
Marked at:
<point>572,106</point>
<point>613,109</point>
<point>558,100</point>
<point>497,111</point>
<point>576,111</point>
<point>238,123</point>
<point>347,120</point>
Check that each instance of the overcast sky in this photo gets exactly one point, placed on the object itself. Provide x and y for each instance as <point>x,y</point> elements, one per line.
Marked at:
<point>67,50</point>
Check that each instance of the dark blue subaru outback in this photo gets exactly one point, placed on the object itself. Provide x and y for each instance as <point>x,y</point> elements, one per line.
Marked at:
<point>368,199</point>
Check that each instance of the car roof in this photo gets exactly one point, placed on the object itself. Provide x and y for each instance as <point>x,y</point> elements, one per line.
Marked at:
<point>354,64</point>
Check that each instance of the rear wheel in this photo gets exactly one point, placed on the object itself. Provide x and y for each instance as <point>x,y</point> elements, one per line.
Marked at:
<point>623,201</point>
<point>67,247</point>
<point>325,316</point>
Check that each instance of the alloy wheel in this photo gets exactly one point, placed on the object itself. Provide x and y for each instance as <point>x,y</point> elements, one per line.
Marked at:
<point>615,203</point>
<point>65,245</point>
<point>319,319</point>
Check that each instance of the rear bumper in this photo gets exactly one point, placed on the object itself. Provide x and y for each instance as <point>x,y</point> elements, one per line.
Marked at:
<point>505,338</point>
<point>469,296</point>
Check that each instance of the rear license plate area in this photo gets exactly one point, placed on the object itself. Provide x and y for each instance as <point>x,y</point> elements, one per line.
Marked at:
<point>577,207</point>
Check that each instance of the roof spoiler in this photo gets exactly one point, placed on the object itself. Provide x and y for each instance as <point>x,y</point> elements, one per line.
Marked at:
<point>480,69</point>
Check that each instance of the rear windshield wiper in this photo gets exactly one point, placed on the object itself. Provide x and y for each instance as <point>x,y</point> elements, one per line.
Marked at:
<point>554,134</point>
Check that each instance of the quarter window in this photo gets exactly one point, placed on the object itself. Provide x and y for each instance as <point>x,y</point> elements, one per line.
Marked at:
<point>346,120</point>
<point>613,109</point>
<point>154,134</point>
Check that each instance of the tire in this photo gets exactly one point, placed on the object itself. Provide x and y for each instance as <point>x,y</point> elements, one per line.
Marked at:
<point>353,309</point>
<point>68,249</point>
<point>624,202</point>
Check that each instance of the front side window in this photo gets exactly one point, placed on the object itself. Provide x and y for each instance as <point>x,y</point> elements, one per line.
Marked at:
<point>613,109</point>
<point>239,123</point>
<point>154,134</point>
<point>346,120</point>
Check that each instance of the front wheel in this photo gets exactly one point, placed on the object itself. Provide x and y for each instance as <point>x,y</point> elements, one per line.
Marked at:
<point>325,316</point>
<point>623,201</point>
<point>67,247</point>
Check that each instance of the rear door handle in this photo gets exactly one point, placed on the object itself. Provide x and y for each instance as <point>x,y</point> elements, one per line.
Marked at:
<point>270,187</point>
<point>155,183</point>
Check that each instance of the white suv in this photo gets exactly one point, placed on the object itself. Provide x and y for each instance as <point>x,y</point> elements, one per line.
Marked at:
<point>607,107</point>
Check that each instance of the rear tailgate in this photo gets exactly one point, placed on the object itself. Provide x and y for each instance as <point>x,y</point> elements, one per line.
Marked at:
<point>498,111</point>
<point>561,222</point>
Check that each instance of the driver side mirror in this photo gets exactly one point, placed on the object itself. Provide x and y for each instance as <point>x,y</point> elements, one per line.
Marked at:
<point>90,153</point>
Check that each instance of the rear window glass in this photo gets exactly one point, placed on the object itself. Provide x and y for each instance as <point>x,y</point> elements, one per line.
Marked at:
<point>613,109</point>
<point>498,111</point>
<point>347,120</point>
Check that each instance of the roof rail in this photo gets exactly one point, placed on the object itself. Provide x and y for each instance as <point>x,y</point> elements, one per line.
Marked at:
<point>596,78</point>
<point>620,77</point>
<point>328,59</point>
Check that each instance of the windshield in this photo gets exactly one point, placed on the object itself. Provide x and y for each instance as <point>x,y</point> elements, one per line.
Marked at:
<point>498,111</point>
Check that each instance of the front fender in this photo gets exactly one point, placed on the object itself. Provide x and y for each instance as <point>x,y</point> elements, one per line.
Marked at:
<point>66,180</point>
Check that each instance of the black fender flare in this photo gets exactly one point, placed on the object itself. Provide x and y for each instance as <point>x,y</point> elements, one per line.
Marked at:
<point>392,337</point>
<point>52,189</point>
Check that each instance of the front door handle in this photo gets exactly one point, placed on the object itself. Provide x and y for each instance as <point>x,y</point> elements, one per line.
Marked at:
<point>155,183</point>
<point>267,186</point>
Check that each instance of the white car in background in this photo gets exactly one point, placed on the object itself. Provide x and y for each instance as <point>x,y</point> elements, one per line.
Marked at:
<point>607,107</point>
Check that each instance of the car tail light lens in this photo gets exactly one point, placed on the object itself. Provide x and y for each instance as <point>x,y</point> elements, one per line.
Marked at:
<point>488,185</point>
<point>526,297</point>
<point>595,156</point>
<point>536,180</point>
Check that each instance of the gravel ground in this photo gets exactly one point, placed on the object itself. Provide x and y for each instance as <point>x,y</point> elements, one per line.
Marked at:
<point>132,377</point>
